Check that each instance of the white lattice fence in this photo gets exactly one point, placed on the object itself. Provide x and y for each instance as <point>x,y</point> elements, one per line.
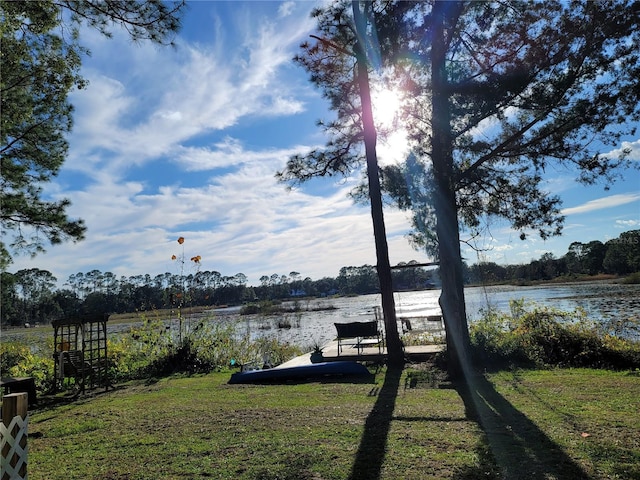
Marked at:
<point>13,437</point>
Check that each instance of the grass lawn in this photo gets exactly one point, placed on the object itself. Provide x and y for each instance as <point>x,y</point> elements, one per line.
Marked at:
<point>565,424</point>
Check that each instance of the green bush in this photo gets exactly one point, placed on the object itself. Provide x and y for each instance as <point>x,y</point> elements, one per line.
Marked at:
<point>132,353</point>
<point>634,278</point>
<point>250,309</point>
<point>265,307</point>
<point>274,351</point>
<point>19,359</point>
<point>537,336</point>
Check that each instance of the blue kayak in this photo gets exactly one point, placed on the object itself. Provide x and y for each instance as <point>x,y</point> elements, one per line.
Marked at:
<point>313,370</point>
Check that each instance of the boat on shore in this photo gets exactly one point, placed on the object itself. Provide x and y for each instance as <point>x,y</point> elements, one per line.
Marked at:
<point>301,372</point>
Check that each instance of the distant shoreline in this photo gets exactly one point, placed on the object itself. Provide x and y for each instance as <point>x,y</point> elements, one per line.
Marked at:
<point>600,278</point>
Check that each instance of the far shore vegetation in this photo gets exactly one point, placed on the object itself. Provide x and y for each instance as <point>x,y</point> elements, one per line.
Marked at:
<point>31,296</point>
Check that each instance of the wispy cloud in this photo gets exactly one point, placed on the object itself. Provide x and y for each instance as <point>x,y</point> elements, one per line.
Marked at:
<point>229,152</point>
<point>285,8</point>
<point>154,104</point>
<point>628,223</point>
<point>602,203</point>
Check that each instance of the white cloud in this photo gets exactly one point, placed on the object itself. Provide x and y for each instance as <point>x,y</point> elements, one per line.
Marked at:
<point>628,223</point>
<point>285,8</point>
<point>238,221</point>
<point>633,146</point>
<point>503,248</point>
<point>602,203</point>
<point>160,98</point>
<point>283,106</point>
<point>230,152</point>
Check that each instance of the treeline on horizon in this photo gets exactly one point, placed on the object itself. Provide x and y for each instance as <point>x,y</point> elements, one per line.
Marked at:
<point>30,296</point>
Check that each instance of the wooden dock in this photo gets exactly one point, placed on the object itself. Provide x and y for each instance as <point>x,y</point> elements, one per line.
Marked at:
<point>416,353</point>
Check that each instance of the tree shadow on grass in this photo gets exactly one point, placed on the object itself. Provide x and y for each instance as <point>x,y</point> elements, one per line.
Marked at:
<point>373,445</point>
<point>520,449</point>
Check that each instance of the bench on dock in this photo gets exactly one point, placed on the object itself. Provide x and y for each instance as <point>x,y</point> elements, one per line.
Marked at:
<point>359,334</point>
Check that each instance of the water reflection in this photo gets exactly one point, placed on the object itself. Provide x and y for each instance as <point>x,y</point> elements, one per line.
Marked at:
<point>601,301</point>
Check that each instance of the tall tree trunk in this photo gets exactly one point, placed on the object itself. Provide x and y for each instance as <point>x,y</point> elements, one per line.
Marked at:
<point>394,345</point>
<point>452,296</point>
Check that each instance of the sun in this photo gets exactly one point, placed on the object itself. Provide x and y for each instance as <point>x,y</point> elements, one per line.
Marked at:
<point>386,106</point>
<point>392,147</point>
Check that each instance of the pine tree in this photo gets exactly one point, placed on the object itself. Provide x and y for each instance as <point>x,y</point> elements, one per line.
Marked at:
<point>41,59</point>
<point>496,94</point>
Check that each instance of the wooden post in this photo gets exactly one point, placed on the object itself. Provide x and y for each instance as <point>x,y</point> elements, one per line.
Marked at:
<point>14,436</point>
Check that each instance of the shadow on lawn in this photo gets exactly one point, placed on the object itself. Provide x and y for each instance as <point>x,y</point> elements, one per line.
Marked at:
<point>371,452</point>
<point>520,449</point>
<point>515,448</point>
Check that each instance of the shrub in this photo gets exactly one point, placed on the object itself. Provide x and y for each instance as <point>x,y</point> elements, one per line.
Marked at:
<point>274,351</point>
<point>634,278</point>
<point>542,336</point>
<point>19,359</point>
<point>132,353</point>
<point>493,340</point>
<point>250,309</point>
<point>265,307</point>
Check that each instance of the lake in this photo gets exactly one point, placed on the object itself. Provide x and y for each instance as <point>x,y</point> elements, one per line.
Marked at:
<point>601,300</point>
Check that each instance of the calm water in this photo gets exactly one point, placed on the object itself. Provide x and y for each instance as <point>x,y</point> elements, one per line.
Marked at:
<point>601,301</point>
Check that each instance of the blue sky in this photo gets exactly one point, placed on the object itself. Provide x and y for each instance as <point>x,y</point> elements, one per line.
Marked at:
<point>185,141</point>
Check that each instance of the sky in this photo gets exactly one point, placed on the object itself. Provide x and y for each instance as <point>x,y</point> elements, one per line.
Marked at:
<point>185,141</point>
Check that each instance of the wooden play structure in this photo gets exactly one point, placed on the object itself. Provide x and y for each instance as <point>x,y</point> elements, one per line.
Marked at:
<point>80,352</point>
